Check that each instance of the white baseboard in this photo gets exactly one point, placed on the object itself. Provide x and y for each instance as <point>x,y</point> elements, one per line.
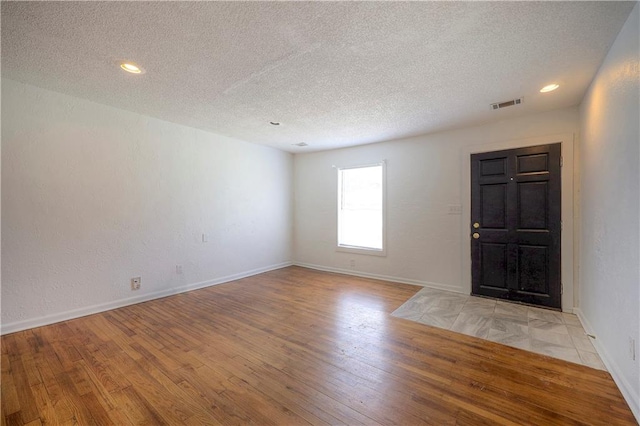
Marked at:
<point>361,274</point>
<point>13,327</point>
<point>632,398</point>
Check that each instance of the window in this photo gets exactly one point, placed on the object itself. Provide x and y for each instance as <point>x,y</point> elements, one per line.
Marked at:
<point>361,209</point>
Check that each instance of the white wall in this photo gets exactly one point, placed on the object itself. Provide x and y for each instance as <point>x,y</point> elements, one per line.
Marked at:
<point>93,196</point>
<point>426,174</point>
<point>610,199</point>
<point>0,209</point>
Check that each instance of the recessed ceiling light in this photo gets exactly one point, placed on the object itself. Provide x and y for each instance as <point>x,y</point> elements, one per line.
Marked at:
<point>132,68</point>
<point>274,123</point>
<point>549,88</point>
<point>300,144</point>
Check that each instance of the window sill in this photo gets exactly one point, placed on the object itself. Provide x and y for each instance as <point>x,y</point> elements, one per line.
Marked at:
<point>362,250</point>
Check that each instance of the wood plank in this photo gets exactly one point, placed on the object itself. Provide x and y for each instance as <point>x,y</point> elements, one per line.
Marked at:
<point>28,411</point>
<point>291,346</point>
<point>46,409</point>
<point>81,412</point>
<point>10,400</point>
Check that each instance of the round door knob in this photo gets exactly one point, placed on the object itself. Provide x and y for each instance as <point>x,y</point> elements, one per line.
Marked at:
<point>476,235</point>
<point>476,225</point>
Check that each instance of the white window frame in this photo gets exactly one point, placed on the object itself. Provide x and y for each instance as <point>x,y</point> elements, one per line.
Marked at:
<point>355,249</point>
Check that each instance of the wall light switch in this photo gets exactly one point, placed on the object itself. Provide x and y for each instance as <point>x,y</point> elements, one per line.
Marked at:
<point>455,209</point>
<point>205,238</point>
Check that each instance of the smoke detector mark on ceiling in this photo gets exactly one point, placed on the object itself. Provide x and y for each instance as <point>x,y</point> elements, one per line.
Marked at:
<point>500,105</point>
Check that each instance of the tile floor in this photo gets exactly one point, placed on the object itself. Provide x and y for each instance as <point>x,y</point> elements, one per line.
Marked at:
<point>556,334</point>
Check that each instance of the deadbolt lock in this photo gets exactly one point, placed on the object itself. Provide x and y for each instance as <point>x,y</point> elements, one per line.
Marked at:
<point>476,235</point>
<point>476,225</point>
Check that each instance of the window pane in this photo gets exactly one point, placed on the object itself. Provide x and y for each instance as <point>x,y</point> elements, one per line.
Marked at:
<point>360,209</point>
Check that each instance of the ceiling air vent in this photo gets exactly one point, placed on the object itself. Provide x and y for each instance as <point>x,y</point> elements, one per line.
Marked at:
<point>505,104</point>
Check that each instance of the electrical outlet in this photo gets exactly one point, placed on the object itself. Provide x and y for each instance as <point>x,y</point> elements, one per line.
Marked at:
<point>632,348</point>
<point>179,269</point>
<point>135,283</point>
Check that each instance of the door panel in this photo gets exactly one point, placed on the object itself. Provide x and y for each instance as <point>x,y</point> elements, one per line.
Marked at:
<point>494,206</point>
<point>533,271</point>
<point>494,167</point>
<point>494,263</point>
<point>532,199</point>
<point>533,163</point>
<point>515,204</point>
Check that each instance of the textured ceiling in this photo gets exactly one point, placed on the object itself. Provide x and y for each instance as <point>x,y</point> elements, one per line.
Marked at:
<point>334,73</point>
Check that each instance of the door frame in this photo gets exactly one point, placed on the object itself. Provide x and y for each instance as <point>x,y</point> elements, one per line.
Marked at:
<point>569,299</point>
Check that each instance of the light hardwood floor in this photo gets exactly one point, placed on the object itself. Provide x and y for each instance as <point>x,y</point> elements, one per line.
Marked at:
<point>292,346</point>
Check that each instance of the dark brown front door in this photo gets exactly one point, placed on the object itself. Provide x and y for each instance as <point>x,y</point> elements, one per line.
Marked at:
<point>515,225</point>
